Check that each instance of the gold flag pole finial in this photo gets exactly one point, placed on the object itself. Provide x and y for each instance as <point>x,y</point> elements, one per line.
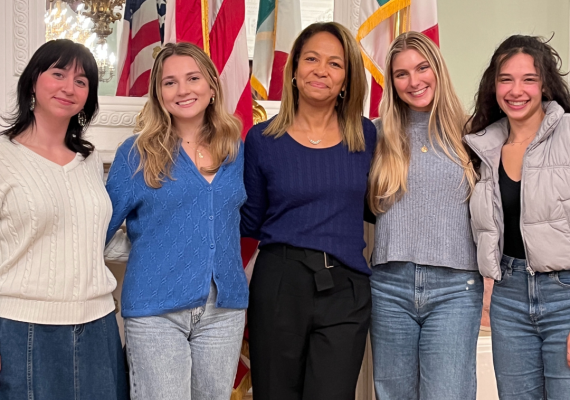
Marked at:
<point>402,21</point>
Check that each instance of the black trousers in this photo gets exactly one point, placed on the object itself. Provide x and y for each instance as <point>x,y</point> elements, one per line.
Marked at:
<point>305,344</point>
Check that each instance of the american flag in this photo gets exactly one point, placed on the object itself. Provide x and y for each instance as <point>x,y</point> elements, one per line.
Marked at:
<point>218,27</point>
<point>142,36</point>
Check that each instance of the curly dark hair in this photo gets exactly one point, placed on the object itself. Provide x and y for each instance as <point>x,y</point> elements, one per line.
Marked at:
<point>547,63</point>
<point>59,53</point>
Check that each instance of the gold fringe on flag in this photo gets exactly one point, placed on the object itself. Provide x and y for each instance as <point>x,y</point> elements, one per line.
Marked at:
<point>258,87</point>
<point>383,13</point>
<point>386,11</point>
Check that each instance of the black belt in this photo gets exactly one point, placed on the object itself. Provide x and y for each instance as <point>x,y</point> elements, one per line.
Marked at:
<point>317,261</point>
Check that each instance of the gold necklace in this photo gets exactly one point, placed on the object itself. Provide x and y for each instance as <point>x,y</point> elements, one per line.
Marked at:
<point>513,142</point>
<point>196,148</point>
<point>316,142</point>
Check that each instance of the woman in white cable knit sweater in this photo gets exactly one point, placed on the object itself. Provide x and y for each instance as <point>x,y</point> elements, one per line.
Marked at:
<point>58,333</point>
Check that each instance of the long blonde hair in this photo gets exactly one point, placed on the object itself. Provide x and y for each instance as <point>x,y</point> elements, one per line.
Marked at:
<point>158,142</point>
<point>389,173</point>
<point>349,109</point>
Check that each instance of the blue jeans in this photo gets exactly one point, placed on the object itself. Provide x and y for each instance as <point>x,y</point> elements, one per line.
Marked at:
<point>183,355</point>
<point>530,321</point>
<point>61,362</point>
<point>425,325</point>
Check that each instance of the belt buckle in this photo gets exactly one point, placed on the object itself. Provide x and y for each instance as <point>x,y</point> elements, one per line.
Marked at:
<point>327,266</point>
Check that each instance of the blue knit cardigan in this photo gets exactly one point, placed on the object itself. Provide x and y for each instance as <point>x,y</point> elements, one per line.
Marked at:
<point>183,235</point>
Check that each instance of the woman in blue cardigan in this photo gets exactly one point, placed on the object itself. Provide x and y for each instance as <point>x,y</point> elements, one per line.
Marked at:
<point>179,186</point>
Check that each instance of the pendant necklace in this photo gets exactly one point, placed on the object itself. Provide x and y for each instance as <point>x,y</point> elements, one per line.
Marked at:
<point>197,149</point>
<point>513,142</point>
<point>315,142</point>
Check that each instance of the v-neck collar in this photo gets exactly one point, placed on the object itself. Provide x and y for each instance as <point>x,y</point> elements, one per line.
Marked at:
<point>194,168</point>
<point>53,165</point>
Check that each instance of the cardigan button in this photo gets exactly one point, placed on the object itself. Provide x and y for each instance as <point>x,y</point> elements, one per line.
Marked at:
<point>211,217</point>
<point>212,246</point>
<point>209,189</point>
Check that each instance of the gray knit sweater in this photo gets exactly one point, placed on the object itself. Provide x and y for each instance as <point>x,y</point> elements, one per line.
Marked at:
<point>430,224</point>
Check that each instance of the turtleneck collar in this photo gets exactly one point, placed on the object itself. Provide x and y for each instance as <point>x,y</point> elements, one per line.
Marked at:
<point>419,117</point>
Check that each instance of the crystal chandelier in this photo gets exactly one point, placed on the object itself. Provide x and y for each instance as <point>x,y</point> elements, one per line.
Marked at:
<point>62,23</point>
<point>102,13</point>
<point>105,63</point>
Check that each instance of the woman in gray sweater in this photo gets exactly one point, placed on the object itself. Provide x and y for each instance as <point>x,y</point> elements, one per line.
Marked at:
<point>426,290</point>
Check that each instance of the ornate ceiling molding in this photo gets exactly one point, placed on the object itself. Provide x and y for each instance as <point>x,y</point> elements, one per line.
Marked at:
<point>21,44</point>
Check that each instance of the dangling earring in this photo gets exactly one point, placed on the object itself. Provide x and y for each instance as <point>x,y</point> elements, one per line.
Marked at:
<point>33,102</point>
<point>294,82</point>
<point>82,118</point>
<point>212,99</point>
<point>342,94</point>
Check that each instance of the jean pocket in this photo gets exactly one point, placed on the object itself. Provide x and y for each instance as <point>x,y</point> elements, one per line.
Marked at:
<point>505,274</point>
<point>78,329</point>
<point>562,278</point>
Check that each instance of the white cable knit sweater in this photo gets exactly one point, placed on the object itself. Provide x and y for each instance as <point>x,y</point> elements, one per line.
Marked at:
<point>53,221</point>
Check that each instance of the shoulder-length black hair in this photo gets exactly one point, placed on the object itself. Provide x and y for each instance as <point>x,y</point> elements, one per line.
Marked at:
<point>60,53</point>
<point>547,63</point>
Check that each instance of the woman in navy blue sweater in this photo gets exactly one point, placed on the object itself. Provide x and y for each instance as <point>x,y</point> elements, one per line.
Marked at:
<point>179,185</point>
<point>305,177</point>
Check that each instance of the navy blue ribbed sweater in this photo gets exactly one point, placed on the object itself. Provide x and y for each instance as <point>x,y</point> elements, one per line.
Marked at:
<point>305,197</point>
<point>183,235</point>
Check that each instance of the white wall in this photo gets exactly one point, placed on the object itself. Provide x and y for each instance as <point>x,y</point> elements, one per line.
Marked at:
<point>471,30</point>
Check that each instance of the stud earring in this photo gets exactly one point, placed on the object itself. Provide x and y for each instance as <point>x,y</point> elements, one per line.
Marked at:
<point>342,94</point>
<point>33,102</point>
<point>212,99</point>
<point>294,82</point>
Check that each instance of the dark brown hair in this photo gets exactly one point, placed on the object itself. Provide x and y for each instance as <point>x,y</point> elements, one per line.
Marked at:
<point>60,53</point>
<point>547,63</point>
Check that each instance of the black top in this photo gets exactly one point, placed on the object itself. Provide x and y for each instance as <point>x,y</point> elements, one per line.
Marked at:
<point>511,199</point>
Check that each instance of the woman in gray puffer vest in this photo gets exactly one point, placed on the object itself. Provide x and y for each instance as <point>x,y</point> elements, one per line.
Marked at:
<point>520,211</point>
